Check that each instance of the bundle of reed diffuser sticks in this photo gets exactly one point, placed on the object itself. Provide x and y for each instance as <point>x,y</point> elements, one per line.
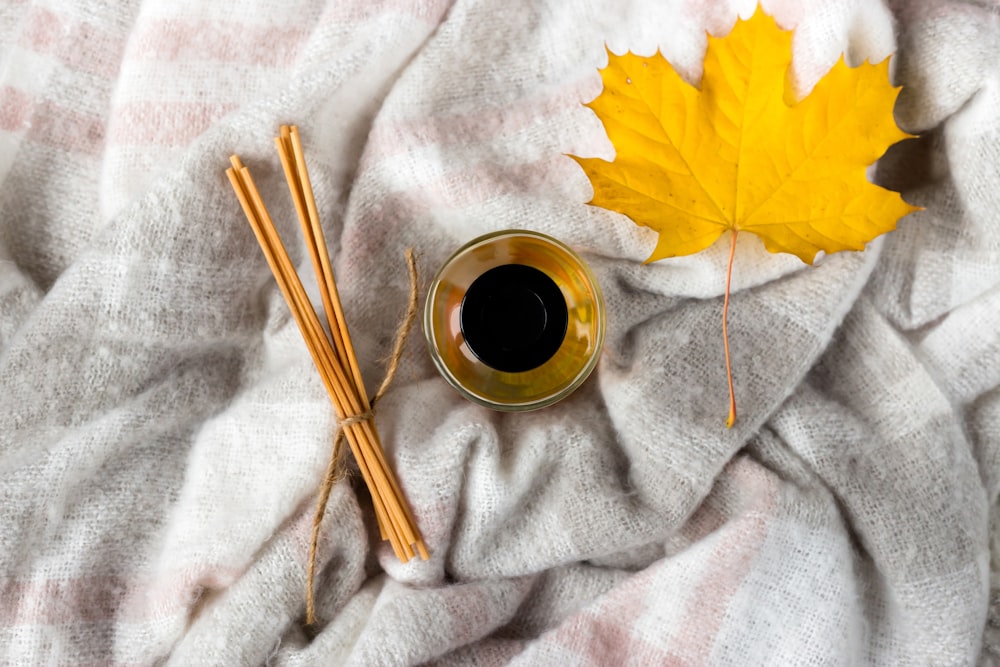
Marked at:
<point>332,353</point>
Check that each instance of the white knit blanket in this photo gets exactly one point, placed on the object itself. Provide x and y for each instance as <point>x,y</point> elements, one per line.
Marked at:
<point>163,431</point>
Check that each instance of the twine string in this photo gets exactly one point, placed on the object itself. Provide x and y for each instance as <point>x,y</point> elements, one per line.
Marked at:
<point>333,354</point>
<point>335,469</point>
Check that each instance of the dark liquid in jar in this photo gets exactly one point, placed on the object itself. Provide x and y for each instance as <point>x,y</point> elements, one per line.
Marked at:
<point>529,385</point>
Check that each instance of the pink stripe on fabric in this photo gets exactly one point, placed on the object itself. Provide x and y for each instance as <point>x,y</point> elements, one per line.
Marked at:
<point>163,123</point>
<point>705,521</point>
<point>42,30</point>
<point>740,541</point>
<point>79,45</point>
<point>49,123</point>
<point>50,602</point>
<point>171,40</point>
<point>392,138</point>
<point>363,10</point>
<point>98,599</point>
<point>15,109</point>
<point>603,635</point>
<point>177,592</point>
<point>474,184</point>
<point>61,127</point>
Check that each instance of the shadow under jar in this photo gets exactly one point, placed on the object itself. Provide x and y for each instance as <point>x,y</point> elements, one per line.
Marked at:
<point>514,320</point>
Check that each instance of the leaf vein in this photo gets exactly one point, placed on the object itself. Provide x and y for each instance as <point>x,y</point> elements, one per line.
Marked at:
<point>683,157</point>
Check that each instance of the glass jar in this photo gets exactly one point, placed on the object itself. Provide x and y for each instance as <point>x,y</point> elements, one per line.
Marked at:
<point>514,320</point>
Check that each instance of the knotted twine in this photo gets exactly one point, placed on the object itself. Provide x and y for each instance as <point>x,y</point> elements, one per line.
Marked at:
<point>335,468</point>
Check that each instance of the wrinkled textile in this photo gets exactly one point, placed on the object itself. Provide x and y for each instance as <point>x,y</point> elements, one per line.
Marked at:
<point>163,431</point>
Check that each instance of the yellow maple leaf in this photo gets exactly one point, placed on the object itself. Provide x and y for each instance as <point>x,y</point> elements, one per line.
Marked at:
<point>739,153</point>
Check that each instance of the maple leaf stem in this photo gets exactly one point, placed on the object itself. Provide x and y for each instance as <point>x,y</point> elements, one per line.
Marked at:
<point>731,419</point>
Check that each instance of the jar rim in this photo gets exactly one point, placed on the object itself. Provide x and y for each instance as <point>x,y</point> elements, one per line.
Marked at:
<point>595,337</point>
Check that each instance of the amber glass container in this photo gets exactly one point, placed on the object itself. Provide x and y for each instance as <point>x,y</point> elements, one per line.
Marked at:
<point>514,320</point>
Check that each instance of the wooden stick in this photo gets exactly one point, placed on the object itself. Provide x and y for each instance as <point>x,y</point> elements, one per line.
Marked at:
<point>295,296</point>
<point>333,354</point>
<point>319,259</point>
<point>331,285</point>
<point>328,288</point>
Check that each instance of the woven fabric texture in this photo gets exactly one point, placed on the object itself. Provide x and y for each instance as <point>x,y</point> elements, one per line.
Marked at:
<point>163,431</point>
